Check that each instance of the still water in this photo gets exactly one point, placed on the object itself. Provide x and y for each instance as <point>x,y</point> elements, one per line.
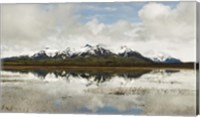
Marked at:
<point>149,92</point>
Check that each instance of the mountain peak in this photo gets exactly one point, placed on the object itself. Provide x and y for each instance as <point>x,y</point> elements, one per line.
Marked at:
<point>125,49</point>
<point>101,51</point>
<point>97,50</point>
<point>88,45</point>
<point>128,52</point>
<point>46,52</point>
<point>164,58</point>
<point>100,46</point>
<point>67,51</point>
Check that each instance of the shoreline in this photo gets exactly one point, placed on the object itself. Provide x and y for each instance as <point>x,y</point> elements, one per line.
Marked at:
<point>94,68</point>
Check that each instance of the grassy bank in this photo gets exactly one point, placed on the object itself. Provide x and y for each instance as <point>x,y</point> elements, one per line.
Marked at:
<point>134,67</point>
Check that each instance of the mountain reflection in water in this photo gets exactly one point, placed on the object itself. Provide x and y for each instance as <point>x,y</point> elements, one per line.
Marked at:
<point>132,92</point>
<point>99,77</point>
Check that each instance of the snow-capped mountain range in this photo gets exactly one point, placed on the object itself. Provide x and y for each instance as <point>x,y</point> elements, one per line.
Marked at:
<point>99,51</point>
<point>166,59</point>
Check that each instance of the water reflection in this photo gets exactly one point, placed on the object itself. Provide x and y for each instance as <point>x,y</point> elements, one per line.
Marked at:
<point>98,76</point>
<point>94,78</point>
<point>111,110</point>
<point>103,92</point>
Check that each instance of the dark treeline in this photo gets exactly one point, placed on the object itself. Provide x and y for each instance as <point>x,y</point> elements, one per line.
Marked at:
<point>96,62</point>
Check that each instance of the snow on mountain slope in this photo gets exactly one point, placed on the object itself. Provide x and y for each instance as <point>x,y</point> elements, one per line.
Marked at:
<point>52,53</point>
<point>102,51</point>
<point>125,51</point>
<point>128,52</point>
<point>47,52</point>
<point>160,58</point>
<point>65,53</point>
<point>86,49</point>
<point>165,59</point>
<point>97,50</point>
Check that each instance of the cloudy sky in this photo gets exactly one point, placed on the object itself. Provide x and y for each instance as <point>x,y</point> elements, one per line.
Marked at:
<point>148,27</point>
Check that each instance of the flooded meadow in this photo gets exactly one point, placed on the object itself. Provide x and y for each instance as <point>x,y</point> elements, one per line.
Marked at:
<point>144,92</point>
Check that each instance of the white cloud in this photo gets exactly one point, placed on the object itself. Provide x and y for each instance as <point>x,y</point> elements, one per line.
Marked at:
<point>30,27</point>
<point>174,29</point>
<point>154,11</point>
<point>162,22</point>
<point>27,25</point>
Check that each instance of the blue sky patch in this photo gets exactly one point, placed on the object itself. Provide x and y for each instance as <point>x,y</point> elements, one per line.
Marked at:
<point>109,13</point>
